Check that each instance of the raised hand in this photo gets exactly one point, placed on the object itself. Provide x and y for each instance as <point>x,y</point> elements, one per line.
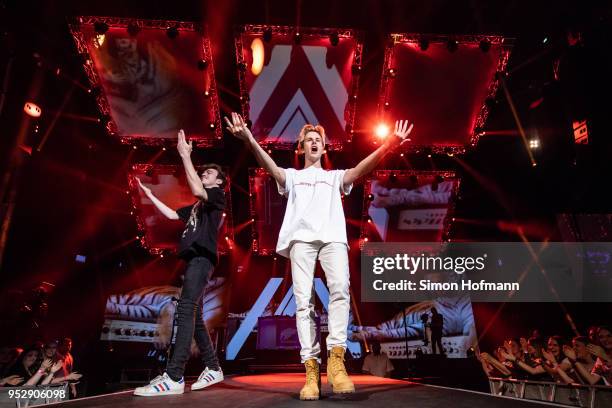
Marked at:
<point>182,146</point>
<point>46,364</point>
<point>74,376</point>
<point>11,380</point>
<point>569,352</point>
<point>403,129</point>
<point>597,351</point>
<point>57,366</point>
<point>548,356</point>
<point>144,188</point>
<point>237,127</point>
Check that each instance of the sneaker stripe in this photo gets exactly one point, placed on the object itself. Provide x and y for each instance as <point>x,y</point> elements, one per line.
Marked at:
<point>166,386</point>
<point>155,388</point>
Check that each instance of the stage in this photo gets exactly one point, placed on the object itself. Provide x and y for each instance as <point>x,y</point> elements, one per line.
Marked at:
<point>281,390</point>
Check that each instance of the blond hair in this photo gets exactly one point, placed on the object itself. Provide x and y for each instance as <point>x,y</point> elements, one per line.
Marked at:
<point>309,128</point>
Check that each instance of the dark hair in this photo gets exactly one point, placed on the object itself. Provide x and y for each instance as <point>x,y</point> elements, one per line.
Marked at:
<point>582,339</point>
<point>220,173</point>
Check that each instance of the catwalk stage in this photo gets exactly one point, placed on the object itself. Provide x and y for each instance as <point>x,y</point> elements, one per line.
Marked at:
<point>281,390</point>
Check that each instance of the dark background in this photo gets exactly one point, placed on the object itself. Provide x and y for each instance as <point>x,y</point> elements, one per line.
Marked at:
<point>70,197</point>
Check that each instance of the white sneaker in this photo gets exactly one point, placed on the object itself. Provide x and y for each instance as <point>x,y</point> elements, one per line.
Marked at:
<point>207,378</point>
<point>161,385</point>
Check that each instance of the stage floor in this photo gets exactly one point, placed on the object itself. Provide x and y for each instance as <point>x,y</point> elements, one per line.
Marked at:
<point>281,390</point>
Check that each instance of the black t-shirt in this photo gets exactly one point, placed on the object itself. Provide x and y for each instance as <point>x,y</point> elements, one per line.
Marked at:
<point>202,221</point>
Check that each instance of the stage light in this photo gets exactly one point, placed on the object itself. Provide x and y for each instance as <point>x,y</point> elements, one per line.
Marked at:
<point>356,68</point>
<point>258,51</point>
<point>269,151</point>
<point>267,35</point>
<point>369,219</point>
<point>224,214</point>
<point>226,238</point>
<point>202,64</point>
<point>381,131</point>
<point>212,125</point>
<point>452,45</point>
<point>423,44</point>
<point>32,109</point>
<point>534,144</point>
<point>133,29</point>
<point>100,27</point>
<point>370,197</point>
<point>134,147</point>
<point>297,38</point>
<point>163,149</point>
<point>545,40</point>
<point>485,45</point>
<point>242,66</point>
<point>172,32</point>
<point>334,39</point>
<point>80,258</point>
<point>391,72</point>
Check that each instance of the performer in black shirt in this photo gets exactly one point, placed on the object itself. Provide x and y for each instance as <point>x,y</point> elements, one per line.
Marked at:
<point>198,247</point>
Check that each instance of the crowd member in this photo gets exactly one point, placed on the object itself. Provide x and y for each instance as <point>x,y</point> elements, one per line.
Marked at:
<point>528,362</point>
<point>603,351</point>
<point>26,365</point>
<point>588,360</point>
<point>582,363</point>
<point>377,363</point>
<point>8,356</point>
<point>63,350</point>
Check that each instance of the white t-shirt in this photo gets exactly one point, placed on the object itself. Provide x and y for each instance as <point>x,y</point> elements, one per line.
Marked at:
<point>314,207</point>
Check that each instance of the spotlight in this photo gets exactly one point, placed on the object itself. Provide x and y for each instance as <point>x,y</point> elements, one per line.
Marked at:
<point>391,72</point>
<point>297,38</point>
<point>382,130</point>
<point>485,45</point>
<point>393,177</point>
<point>267,35</point>
<point>356,68</point>
<point>423,44</point>
<point>370,197</point>
<point>172,32</point>
<point>369,219</point>
<point>207,93</point>
<point>334,39</point>
<point>452,45</point>
<point>202,64</point>
<point>32,109</point>
<point>534,143</point>
<point>100,27</point>
<point>133,29</point>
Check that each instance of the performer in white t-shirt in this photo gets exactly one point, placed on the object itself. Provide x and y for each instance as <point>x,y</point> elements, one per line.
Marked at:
<point>314,228</point>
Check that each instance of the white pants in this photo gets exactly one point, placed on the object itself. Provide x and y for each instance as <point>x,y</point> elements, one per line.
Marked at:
<point>334,261</point>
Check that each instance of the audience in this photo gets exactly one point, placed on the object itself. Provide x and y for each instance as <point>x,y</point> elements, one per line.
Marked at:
<point>588,360</point>
<point>40,364</point>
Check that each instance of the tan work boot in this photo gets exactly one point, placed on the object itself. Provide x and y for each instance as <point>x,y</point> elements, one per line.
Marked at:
<point>336,373</point>
<point>312,389</point>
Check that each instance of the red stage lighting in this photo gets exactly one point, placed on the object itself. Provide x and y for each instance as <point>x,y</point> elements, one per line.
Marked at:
<point>32,109</point>
<point>381,130</point>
